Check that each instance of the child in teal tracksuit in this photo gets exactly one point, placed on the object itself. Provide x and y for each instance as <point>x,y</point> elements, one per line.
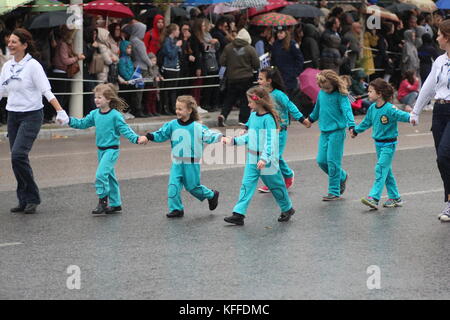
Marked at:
<point>110,124</point>
<point>262,157</point>
<point>334,111</point>
<point>187,137</point>
<point>270,78</point>
<point>382,116</point>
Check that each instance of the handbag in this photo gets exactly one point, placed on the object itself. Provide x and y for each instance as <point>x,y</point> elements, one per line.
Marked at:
<point>211,64</point>
<point>73,69</point>
<point>97,64</point>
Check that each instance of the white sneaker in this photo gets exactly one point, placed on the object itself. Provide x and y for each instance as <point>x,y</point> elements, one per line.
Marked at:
<point>445,214</point>
<point>201,110</point>
<point>129,116</point>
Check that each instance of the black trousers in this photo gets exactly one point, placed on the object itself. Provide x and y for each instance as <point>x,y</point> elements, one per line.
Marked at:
<point>236,91</point>
<point>441,135</point>
<point>23,128</point>
<point>169,97</point>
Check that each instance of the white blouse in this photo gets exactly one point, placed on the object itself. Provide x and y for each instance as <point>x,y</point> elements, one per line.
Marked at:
<point>24,83</point>
<point>437,84</point>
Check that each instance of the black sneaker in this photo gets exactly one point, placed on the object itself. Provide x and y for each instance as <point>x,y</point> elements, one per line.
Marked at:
<point>19,208</point>
<point>214,201</point>
<point>330,197</point>
<point>236,218</point>
<point>30,208</point>
<point>221,121</point>
<point>113,209</point>
<point>175,214</point>
<point>285,216</point>
<point>102,206</point>
<point>343,184</point>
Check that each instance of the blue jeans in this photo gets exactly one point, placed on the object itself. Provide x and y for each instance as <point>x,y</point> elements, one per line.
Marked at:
<point>410,98</point>
<point>23,128</point>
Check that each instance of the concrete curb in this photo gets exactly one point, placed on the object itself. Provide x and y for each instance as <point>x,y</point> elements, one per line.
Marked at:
<point>153,124</point>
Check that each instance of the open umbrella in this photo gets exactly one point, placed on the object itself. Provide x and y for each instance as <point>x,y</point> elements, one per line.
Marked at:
<point>48,6</point>
<point>108,8</point>
<point>443,4</point>
<point>383,13</point>
<point>203,2</point>
<point>9,5</point>
<point>400,7</point>
<point>271,5</point>
<point>302,11</point>
<point>423,5</point>
<point>308,83</point>
<point>50,20</point>
<point>244,4</point>
<point>273,19</point>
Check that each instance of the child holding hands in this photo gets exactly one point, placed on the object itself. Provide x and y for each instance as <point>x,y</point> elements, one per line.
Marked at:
<point>382,116</point>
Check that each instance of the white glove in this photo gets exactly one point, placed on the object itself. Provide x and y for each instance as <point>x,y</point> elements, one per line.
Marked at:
<point>414,119</point>
<point>62,118</point>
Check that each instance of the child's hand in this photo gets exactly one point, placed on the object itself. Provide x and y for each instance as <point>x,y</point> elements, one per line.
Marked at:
<point>352,133</point>
<point>242,132</point>
<point>307,123</point>
<point>261,164</point>
<point>142,140</point>
<point>226,140</point>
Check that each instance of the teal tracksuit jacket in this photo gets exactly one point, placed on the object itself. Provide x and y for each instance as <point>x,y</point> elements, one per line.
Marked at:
<point>109,127</point>
<point>187,140</point>
<point>262,144</point>
<point>383,121</point>
<point>334,112</point>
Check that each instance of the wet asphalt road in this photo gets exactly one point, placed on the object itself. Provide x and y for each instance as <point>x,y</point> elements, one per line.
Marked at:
<point>324,252</point>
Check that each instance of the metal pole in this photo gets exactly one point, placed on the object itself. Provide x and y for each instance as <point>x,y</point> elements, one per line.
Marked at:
<point>76,100</point>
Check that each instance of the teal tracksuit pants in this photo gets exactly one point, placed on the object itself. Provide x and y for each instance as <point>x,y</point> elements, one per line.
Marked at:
<point>106,183</point>
<point>383,173</point>
<point>273,181</point>
<point>329,158</point>
<point>187,175</point>
<point>285,170</point>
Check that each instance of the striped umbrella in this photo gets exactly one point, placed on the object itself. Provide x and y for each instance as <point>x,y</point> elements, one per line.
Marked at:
<point>273,19</point>
<point>244,4</point>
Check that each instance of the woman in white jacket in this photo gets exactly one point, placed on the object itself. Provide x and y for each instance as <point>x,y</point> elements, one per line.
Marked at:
<point>103,45</point>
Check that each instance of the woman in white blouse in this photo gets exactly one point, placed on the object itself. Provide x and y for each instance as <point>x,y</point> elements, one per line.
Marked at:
<point>25,82</point>
<point>437,86</point>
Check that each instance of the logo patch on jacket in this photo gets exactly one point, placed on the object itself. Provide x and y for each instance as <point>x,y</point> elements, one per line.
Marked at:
<point>384,119</point>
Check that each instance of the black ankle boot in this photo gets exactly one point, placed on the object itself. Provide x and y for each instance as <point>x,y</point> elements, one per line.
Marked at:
<point>113,209</point>
<point>214,201</point>
<point>285,216</point>
<point>175,214</point>
<point>236,218</point>
<point>102,206</point>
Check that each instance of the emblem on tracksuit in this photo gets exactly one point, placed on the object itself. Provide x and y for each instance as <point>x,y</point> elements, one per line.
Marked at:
<point>384,119</point>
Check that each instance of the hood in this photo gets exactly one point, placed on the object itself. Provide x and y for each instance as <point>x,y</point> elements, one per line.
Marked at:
<point>135,30</point>
<point>123,47</point>
<point>333,41</point>
<point>245,36</point>
<point>155,21</point>
<point>309,30</point>
<point>408,35</point>
<point>359,75</point>
<point>102,35</point>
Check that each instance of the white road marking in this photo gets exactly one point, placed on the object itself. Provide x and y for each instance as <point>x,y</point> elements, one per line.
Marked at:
<point>418,134</point>
<point>414,193</point>
<point>10,244</point>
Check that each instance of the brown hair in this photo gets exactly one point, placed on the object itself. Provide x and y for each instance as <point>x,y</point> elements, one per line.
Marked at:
<point>347,79</point>
<point>262,97</point>
<point>444,27</point>
<point>331,76</point>
<point>109,92</point>
<point>410,76</point>
<point>190,102</point>
<point>25,37</point>
<point>382,87</point>
<point>167,32</point>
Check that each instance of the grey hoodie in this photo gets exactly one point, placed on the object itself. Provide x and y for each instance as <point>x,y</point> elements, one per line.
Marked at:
<point>410,58</point>
<point>139,53</point>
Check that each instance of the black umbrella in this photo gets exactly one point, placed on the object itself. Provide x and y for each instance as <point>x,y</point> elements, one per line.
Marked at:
<point>400,7</point>
<point>302,11</point>
<point>50,20</point>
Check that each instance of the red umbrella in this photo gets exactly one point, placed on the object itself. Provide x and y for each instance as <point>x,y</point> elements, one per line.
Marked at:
<point>109,8</point>
<point>308,83</point>
<point>272,5</point>
<point>273,19</point>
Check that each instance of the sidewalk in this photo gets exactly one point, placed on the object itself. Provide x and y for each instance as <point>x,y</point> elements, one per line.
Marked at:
<point>139,125</point>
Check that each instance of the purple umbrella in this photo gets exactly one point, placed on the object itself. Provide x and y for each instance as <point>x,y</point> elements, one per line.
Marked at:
<point>308,83</point>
